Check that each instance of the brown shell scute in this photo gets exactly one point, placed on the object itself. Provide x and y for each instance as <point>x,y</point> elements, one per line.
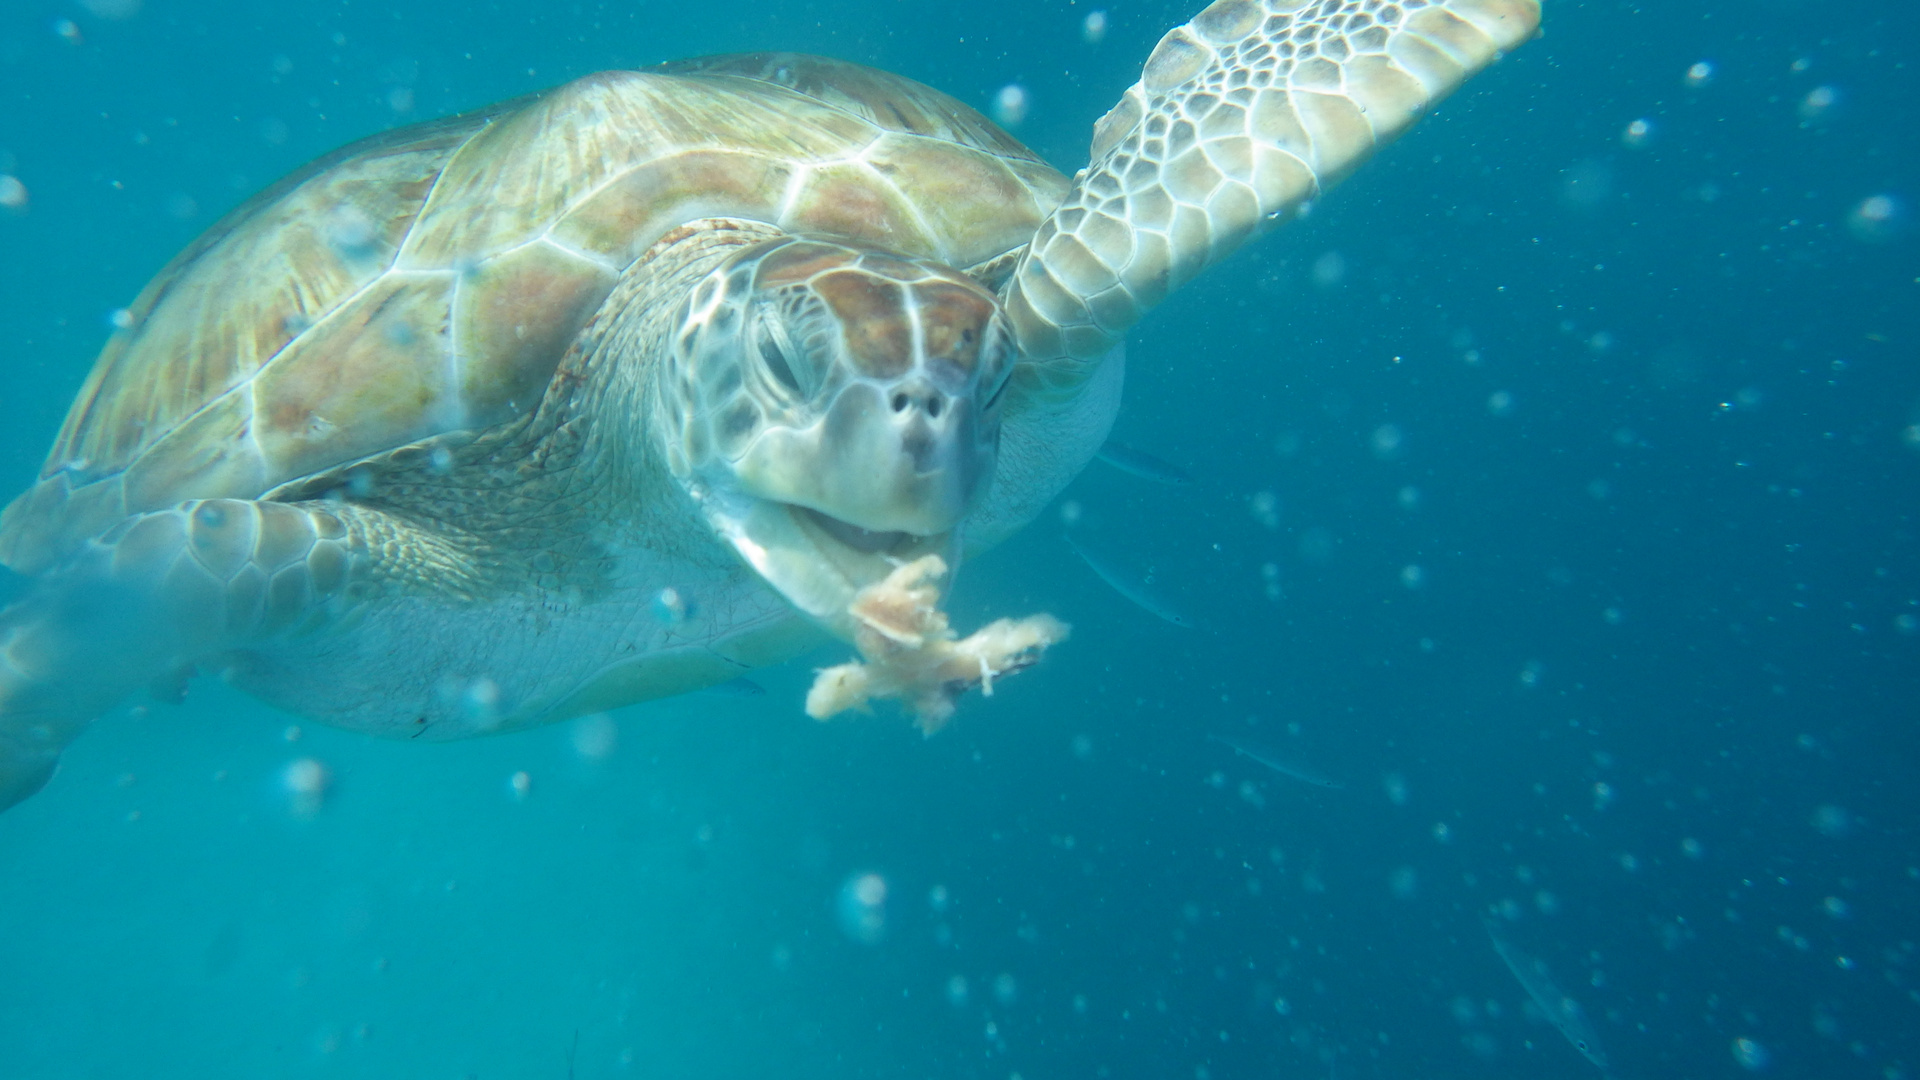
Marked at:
<point>429,280</point>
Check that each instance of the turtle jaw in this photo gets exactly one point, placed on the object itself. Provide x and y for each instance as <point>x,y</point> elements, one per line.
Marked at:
<point>818,562</point>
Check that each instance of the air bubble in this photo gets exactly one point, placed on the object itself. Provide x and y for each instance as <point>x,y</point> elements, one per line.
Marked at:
<point>1010,104</point>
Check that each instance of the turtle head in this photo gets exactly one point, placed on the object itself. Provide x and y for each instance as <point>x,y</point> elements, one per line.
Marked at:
<point>834,409</point>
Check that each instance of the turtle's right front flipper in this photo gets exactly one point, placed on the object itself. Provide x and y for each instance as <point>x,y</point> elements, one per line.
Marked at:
<point>1240,117</point>
<point>153,595</point>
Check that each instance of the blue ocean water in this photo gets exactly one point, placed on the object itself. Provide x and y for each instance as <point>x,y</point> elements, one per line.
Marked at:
<point>1556,499</point>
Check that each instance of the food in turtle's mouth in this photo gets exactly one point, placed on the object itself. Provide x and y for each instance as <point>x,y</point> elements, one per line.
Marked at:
<point>865,541</point>
<point>910,653</point>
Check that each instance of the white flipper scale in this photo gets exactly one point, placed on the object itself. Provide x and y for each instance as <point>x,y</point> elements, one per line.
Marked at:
<point>1240,118</point>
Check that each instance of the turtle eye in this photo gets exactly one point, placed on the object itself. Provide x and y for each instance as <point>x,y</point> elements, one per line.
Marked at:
<point>776,360</point>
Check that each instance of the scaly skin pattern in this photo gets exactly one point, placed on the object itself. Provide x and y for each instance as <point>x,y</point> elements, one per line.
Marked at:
<point>451,589</point>
<point>1240,118</point>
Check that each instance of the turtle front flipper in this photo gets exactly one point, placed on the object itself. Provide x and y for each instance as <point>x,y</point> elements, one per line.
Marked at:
<point>1239,119</point>
<point>153,595</point>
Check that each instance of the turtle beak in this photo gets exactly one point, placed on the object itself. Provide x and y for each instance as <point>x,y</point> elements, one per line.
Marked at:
<point>819,563</point>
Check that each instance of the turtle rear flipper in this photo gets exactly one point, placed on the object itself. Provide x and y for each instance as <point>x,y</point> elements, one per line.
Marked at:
<point>151,596</point>
<point>1239,119</point>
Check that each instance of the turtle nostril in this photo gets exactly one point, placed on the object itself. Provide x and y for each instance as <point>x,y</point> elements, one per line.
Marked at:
<point>899,403</point>
<point>934,405</point>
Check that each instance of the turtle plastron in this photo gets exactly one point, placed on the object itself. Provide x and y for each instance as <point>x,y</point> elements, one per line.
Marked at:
<point>911,653</point>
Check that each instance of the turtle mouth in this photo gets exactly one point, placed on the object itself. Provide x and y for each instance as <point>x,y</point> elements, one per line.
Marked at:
<point>817,561</point>
<point>865,541</point>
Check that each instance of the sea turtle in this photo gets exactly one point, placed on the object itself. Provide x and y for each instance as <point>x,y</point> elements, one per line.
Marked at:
<point>615,391</point>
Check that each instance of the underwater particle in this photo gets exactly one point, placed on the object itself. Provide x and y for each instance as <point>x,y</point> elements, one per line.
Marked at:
<point>1907,623</point>
<point>1691,848</point>
<point>120,319</point>
<point>938,898</point>
<point>1546,902</point>
<point>1329,269</point>
<point>292,733</point>
<point>1612,616</point>
<point>862,908</point>
<point>1603,795</point>
<point>1070,512</point>
<point>1750,1054</point>
<point>1270,581</point>
<point>13,193</point>
<point>1836,907</point>
<point>1638,133</point>
<point>670,607</point>
<point>274,131</point>
<point>480,700</point>
<point>1005,990</point>
<point>1911,435</point>
<point>1818,102</point>
<point>1587,184</point>
<point>1500,403</point>
<point>1093,28</point>
<point>521,785</point>
<point>1832,821</point>
<point>595,736</point>
<point>68,31</point>
<point>1386,440</point>
<point>182,206</point>
<point>1629,862</point>
<point>957,990</point>
<point>1412,576</point>
<point>1265,506</point>
<point>1082,747</point>
<point>1700,74</point>
<point>1408,497</point>
<point>305,781</point>
<point>1010,104</point>
<point>400,99</point>
<point>1531,672</point>
<point>1441,833</point>
<point>1281,1006</point>
<point>1404,882</point>
<point>350,233</point>
<point>1877,219</point>
<point>1396,788</point>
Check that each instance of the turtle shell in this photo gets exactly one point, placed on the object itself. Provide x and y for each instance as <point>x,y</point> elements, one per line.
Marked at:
<point>429,280</point>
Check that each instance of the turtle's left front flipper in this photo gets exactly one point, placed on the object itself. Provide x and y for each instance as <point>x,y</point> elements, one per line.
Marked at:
<point>156,593</point>
<point>1240,117</point>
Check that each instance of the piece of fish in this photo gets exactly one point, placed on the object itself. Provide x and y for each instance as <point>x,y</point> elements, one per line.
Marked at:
<point>1296,772</point>
<point>1131,587</point>
<point>1562,1011</point>
<point>1142,464</point>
